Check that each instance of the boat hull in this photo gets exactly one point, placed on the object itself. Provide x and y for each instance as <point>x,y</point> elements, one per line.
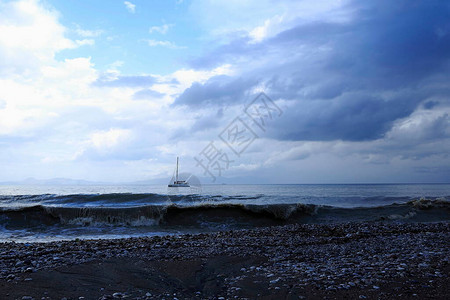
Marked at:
<point>179,185</point>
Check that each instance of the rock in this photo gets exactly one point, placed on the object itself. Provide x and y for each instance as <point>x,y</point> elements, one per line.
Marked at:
<point>274,281</point>
<point>19,263</point>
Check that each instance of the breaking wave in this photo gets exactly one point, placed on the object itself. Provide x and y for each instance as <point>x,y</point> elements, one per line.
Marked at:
<point>186,214</point>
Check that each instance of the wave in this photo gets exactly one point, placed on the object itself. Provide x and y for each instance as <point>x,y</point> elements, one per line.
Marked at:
<point>211,214</point>
<point>113,199</point>
<point>92,199</point>
<point>430,203</point>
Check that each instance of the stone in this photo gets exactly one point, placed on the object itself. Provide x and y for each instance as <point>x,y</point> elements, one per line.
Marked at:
<point>19,263</point>
<point>117,295</point>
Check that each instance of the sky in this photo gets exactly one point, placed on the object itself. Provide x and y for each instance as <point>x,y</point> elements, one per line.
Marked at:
<point>248,91</point>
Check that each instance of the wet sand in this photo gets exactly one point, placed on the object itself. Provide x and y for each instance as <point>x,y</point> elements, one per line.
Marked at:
<point>339,261</point>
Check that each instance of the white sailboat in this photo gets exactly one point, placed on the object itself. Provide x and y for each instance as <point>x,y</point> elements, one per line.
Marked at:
<point>179,183</point>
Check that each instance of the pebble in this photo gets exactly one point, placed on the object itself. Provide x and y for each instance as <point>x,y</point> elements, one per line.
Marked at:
<point>298,255</point>
<point>118,295</point>
<point>274,281</point>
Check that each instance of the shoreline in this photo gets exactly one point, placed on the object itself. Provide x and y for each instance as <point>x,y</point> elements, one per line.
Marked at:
<point>353,260</point>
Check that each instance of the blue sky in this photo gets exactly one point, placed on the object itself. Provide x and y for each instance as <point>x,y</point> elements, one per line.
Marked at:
<point>114,90</point>
<point>123,35</point>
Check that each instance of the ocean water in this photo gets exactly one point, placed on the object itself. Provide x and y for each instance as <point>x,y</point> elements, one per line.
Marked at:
<point>48,213</point>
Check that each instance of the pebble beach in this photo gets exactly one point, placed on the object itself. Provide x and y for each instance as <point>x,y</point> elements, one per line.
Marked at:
<point>301,261</point>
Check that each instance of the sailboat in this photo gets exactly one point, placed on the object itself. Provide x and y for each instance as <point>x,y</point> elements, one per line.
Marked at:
<point>179,183</point>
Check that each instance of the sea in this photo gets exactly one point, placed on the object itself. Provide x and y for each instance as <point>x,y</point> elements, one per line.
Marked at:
<point>46,213</point>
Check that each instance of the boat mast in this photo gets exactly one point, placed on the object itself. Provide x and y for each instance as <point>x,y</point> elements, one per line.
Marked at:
<point>177,169</point>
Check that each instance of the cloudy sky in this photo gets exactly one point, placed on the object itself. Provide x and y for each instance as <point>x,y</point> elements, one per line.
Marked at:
<point>357,91</point>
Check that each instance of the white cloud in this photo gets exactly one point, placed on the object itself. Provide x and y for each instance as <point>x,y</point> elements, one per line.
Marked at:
<point>261,18</point>
<point>168,44</point>
<point>84,42</point>
<point>267,29</point>
<point>186,77</point>
<point>115,65</point>
<point>88,33</point>
<point>422,124</point>
<point>76,72</point>
<point>30,35</point>
<point>161,29</point>
<point>130,7</point>
<point>105,140</point>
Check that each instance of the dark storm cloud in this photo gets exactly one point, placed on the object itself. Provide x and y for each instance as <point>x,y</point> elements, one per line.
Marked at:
<point>208,122</point>
<point>203,122</point>
<point>349,117</point>
<point>218,90</point>
<point>109,80</point>
<point>395,43</point>
<point>224,53</point>
<point>348,81</point>
<point>242,48</point>
<point>430,104</point>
